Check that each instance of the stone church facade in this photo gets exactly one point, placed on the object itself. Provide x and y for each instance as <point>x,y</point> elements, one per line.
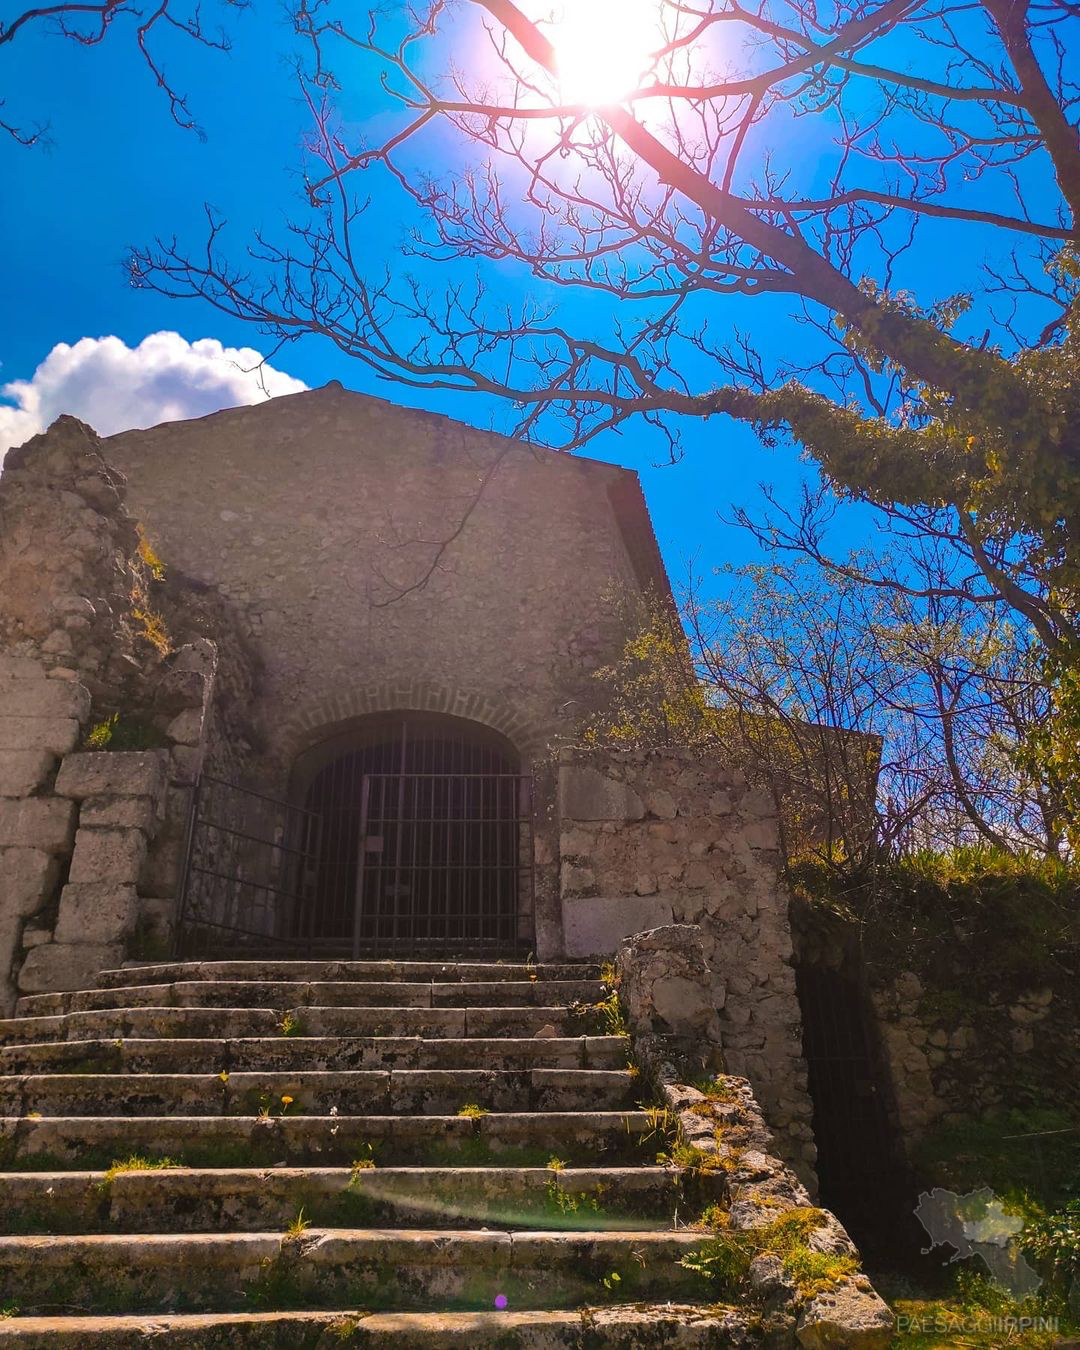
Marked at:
<point>307,678</point>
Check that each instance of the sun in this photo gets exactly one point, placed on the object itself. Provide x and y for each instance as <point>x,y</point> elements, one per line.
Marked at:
<point>604,47</point>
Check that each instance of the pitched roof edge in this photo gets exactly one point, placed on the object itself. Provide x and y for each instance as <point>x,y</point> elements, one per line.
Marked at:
<point>623,489</point>
<point>636,527</point>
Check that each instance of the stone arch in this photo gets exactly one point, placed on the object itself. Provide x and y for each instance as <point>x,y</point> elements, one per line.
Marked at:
<point>422,825</point>
<point>326,716</point>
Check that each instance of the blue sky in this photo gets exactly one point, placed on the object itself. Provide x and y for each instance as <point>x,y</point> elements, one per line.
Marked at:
<point>119,171</point>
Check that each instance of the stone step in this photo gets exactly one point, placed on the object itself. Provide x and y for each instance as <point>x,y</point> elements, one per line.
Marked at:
<point>221,1225</point>
<point>290,1053</point>
<point>325,993</point>
<point>177,1022</point>
<point>426,972</point>
<point>582,1138</point>
<point>404,1269</point>
<point>615,1327</point>
<point>183,1200</point>
<point>437,1092</point>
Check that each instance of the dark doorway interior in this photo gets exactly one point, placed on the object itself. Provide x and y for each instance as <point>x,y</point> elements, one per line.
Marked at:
<point>424,846</point>
<point>861,1172</point>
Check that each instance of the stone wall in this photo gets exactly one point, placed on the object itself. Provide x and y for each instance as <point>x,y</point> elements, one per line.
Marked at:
<point>89,841</point>
<point>665,988</point>
<point>297,540</point>
<point>40,719</point>
<point>382,558</point>
<point>117,800</point>
<point>295,537</point>
<point>652,837</point>
<point>948,1063</point>
<point>962,1024</point>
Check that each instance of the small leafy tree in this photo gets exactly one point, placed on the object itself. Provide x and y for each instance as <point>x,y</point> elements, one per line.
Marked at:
<point>882,723</point>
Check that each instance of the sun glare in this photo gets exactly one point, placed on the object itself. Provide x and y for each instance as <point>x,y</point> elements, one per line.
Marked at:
<point>604,47</point>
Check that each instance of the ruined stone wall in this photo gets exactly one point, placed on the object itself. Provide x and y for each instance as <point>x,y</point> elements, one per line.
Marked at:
<point>316,518</point>
<point>88,856</point>
<point>665,989</point>
<point>962,1025</point>
<point>949,1059</point>
<point>40,719</point>
<point>652,837</point>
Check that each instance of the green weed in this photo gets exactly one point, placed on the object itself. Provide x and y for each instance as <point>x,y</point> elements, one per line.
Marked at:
<point>724,1258</point>
<point>136,1162</point>
<point>610,1012</point>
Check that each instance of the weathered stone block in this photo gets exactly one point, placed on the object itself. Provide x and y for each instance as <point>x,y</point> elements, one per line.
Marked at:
<point>666,985</point>
<point>57,735</point>
<point>20,668</point>
<point>34,937</point>
<point>179,689</point>
<point>27,879</point>
<point>161,875</point>
<point>125,813</point>
<point>587,794</point>
<point>662,804</point>
<point>594,926</point>
<point>44,698</point>
<point>186,763</point>
<point>186,728</point>
<point>100,912</point>
<point>760,834</point>
<point>46,823</point>
<point>574,879</point>
<point>23,771</point>
<point>9,938</point>
<point>155,922</point>
<point>123,773</point>
<point>851,1315</point>
<point>758,802</point>
<point>200,655</point>
<point>55,966</point>
<point>58,643</point>
<point>108,855</point>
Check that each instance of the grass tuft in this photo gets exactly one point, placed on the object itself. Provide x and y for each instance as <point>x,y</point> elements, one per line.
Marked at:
<point>135,1162</point>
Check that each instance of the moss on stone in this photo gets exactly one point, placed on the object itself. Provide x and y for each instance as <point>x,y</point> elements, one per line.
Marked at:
<point>725,1257</point>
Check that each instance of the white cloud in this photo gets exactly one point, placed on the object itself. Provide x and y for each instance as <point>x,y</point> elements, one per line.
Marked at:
<point>114,387</point>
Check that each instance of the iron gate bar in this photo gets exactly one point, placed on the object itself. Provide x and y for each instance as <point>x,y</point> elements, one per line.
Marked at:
<point>439,863</point>
<point>416,836</point>
<point>231,871</point>
<point>361,870</point>
<point>417,817</point>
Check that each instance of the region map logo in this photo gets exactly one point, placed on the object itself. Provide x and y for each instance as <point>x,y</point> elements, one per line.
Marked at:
<point>976,1225</point>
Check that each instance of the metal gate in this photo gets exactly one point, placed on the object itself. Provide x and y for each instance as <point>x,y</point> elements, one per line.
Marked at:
<point>249,873</point>
<point>426,840</point>
<point>415,840</point>
<point>858,1164</point>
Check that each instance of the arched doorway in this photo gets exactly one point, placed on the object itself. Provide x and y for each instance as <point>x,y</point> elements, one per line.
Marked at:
<point>423,844</point>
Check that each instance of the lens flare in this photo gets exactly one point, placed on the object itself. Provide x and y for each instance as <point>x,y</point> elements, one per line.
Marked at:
<point>604,47</point>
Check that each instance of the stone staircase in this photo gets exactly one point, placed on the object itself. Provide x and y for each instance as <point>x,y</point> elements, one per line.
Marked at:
<point>298,1154</point>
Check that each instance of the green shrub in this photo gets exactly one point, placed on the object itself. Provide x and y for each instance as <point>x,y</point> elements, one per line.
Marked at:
<point>121,731</point>
<point>725,1258</point>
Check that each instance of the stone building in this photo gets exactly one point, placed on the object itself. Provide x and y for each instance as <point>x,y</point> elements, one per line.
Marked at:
<point>305,678</point>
